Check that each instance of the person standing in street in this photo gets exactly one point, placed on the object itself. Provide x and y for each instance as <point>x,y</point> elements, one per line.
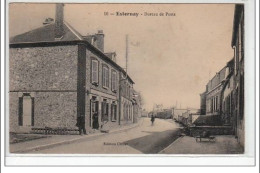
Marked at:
<point>95,123</point>
<point>152,119</point>
<point>81,125</point>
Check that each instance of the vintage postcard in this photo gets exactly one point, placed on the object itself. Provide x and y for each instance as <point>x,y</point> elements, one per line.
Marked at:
<point>128,79</point>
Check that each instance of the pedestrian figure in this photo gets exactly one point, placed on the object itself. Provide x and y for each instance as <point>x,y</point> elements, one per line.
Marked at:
<point>152,119</point>
<point>95,123</point>
<point>81,124</point>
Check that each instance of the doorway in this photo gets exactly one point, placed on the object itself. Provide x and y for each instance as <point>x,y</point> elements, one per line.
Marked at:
<point>26,110</point>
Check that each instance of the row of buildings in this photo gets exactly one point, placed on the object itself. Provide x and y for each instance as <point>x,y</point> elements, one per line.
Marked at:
<point>57,75</point>
<point>224,95</point>
<point>185,116</point>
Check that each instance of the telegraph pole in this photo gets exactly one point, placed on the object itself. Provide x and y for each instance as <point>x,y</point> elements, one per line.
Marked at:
<point>121,79</point>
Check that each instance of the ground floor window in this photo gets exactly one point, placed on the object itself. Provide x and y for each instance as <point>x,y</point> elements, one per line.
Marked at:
<point>93,118</point>
<point>113,111</point>
<point>104,110</point>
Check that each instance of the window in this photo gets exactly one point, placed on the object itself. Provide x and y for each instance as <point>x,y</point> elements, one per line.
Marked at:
<point>104,109</point>
<point>217,103</point>
<point>113,111</point>
<point>94,70</point>
<point>211,107</point>
<point>94,104</point>
<point>105,77</point>
<point>113,81</point>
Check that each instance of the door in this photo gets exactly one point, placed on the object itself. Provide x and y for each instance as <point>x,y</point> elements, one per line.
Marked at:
<point>27,111</point>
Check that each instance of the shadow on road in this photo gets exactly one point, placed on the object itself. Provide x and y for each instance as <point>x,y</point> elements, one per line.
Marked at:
<point>155,142</point>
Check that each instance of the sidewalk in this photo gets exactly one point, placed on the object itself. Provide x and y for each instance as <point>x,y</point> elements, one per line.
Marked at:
<point>56,140</point>
<point>225,144</point>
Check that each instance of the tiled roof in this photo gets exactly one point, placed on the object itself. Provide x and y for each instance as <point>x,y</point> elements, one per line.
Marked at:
<point>46,34</point>
<point>217,79</point>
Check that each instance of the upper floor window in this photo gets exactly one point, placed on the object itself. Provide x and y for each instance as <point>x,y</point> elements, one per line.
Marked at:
<point>105,77</point>
<point>113,80</point>
<point>94,70</point>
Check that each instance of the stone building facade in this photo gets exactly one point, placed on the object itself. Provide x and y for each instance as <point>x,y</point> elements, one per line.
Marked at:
<point>213,89</point>
<point>42,93</point>
<point>238,98</point>
<point>227,117</point>
<point>225,91</point>
<point>126,98</point>
<point>56,75</point>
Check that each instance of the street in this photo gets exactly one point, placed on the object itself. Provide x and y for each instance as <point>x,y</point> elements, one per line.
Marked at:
<point>144,139</point>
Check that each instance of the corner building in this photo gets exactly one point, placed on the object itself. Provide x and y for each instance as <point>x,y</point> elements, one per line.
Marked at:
<point>56,75</point>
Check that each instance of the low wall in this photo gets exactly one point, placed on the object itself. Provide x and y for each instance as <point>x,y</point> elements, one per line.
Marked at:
<point>214,130</point>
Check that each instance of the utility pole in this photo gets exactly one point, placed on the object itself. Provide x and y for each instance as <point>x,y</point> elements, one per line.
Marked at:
<point>121,79</point>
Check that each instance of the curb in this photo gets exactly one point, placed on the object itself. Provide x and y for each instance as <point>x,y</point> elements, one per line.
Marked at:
<point>80,139</point>
<point>161,152</point>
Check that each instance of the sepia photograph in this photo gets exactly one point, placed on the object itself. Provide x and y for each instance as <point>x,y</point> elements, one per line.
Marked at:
<point>126,78</point>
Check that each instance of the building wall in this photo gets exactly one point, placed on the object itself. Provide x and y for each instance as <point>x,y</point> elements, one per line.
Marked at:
<point>100,87</point>
<point>217,79</point>
<point>213,94</point>
<point>43,68</point>
<point>49,76</point>
<point>178,113</point>
<point>98,91</point>
<point>227,103</point>
<point>238,31</point>
<point>213,101</point>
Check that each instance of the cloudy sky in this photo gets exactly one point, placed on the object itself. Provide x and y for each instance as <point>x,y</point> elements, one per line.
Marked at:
<point>171,58</point>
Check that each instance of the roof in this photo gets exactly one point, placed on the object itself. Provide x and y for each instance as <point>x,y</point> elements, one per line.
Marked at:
<point>46,34</point>
<point>217,79</point>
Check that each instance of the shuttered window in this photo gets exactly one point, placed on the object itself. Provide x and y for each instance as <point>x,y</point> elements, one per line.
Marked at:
<point>105,77</point>
<point>113,81</point>
<point>94,72</point>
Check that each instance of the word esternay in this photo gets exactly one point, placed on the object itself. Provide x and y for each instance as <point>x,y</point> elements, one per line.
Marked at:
<point>144,14</point>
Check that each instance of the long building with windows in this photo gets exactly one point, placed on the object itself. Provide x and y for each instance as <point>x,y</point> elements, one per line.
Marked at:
<point>213,91</point>
<point>56,75</point>
<point>225,91</point>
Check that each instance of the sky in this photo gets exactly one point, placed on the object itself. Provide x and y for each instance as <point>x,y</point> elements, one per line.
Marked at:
<point>171,58</point>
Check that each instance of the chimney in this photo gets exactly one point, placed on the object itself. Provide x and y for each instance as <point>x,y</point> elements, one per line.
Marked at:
<point>100,40</point>
<point>59,30</point>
